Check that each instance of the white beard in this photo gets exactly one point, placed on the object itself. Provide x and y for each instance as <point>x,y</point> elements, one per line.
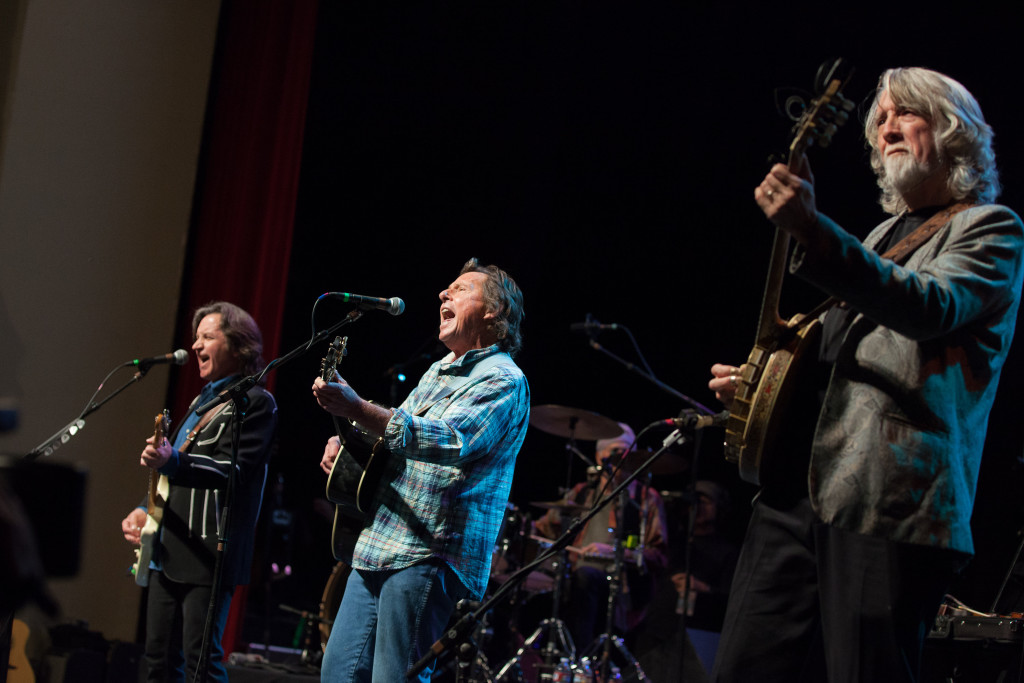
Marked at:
<point>904,173</point>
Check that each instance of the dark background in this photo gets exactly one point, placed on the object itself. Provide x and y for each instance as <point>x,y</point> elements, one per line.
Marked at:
<point>606,158</point>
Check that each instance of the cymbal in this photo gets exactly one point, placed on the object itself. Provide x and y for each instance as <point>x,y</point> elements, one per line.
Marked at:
<point>669,462</point>
<point>573,422</point>
<point>560,505</point>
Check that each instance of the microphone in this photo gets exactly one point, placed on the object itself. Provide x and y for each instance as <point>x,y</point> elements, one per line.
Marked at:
<point>394,305</point>
<point>690,420</point>
<point>590,325</point>
<point>179,357</point>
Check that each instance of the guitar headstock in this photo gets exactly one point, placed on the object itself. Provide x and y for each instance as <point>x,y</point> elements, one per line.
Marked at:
<point>161,427</point>
<point>335,353</point>
<point>829,110</point>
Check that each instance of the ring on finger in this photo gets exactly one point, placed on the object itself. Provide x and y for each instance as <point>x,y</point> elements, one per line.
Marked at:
<point>734,380</point>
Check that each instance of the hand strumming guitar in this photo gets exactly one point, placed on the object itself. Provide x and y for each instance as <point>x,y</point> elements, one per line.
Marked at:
<point>131,526</point>
<point>724,379</point>
<point>331,451</point>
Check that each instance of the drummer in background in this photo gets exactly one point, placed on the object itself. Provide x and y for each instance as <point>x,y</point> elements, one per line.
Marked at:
<point>710,558</point>
<point>643,515</point>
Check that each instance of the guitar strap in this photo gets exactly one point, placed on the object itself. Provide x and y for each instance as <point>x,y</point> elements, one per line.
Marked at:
<point>456,382</point>
<point>186,445</point>
<point>898,253</point>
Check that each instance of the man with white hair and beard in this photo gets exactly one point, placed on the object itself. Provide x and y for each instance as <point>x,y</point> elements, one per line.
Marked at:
<point>845,564</point>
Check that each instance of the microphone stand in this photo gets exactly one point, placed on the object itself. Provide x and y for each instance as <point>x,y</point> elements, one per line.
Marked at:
<point>250,381</point>
<point>649,376</point>
<point>464,626</point>
<point>683,602</point>
<point>69,430</point>
<point>241,401</point>
<point>238,393</point>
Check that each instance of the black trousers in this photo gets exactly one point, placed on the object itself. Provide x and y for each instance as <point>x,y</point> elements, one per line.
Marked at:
<point>175,622</point>
<point>811,603</point>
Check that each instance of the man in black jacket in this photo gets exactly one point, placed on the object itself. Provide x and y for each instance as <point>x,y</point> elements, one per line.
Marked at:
<point>197,462</point>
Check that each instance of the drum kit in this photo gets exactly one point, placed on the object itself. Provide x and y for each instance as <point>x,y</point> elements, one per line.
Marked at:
<point>542,654</point>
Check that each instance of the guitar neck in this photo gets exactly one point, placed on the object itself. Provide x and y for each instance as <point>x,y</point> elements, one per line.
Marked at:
<point>154,482</point>
<point>770,323</point>
<point>159,431</point>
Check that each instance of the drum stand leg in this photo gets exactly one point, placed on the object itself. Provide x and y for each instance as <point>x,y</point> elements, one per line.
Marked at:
<point>553,627</point>
<point>556,630</point>
<point>601,648</point>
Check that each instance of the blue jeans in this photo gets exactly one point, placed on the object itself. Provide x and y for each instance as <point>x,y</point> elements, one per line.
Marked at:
<point>387,621</point>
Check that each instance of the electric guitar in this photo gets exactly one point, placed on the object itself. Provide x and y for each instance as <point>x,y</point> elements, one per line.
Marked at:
<point>159,488</point>
<point>356,472</point>
<point>19,668</point>
<point>769,379</point>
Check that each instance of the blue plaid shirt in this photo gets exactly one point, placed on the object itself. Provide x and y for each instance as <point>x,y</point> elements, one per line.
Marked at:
<point>448,476</point>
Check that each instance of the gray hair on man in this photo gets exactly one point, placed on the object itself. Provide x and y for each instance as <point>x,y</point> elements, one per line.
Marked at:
<point>962,138</point>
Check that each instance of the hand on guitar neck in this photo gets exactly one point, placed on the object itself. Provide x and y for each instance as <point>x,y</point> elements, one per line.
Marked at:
<point>340,399</point>
<point>786,196</point>
<point>156,456</point>
<point>141,526</point>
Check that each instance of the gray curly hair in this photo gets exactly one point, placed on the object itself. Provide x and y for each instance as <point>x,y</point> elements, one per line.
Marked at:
<point>961,135</point>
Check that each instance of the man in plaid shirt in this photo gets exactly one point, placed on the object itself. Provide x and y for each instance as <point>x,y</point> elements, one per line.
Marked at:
<point>453,444</point>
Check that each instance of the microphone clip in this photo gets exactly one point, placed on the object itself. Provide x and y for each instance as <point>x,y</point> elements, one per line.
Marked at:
<point>691,420</point>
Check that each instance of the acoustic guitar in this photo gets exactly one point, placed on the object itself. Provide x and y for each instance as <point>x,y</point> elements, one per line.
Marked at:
<point>159,488</point>
<point>775,368</point>
<point>356,472</point>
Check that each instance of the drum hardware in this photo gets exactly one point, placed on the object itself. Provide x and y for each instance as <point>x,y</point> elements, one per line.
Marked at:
<point>557,640</point>
<point>309,655</point>
<point>573,423</point>
<point>561,506</point>
<point>600,651</point>
<point>670,462</point>
<point>458,632</point>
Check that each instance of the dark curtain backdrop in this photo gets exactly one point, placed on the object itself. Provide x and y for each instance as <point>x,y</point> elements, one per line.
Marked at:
<point>605,155</point>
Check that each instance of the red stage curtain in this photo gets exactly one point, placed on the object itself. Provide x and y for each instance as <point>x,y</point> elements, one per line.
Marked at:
<point>247,182</point>
<point>248,177</point>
